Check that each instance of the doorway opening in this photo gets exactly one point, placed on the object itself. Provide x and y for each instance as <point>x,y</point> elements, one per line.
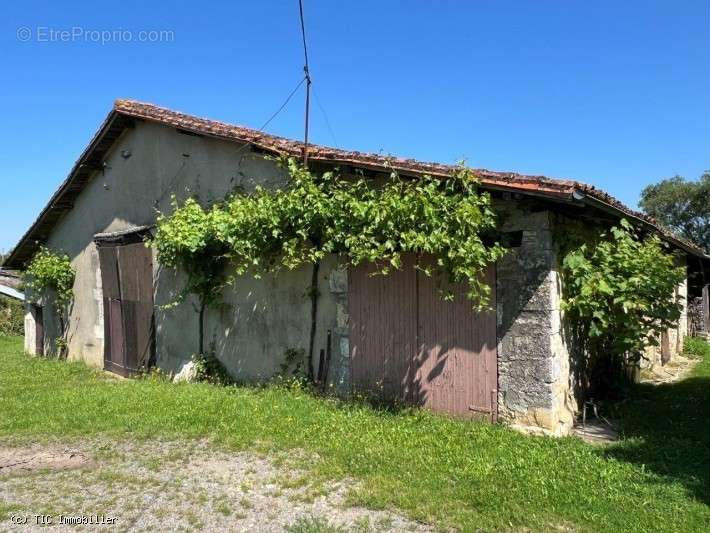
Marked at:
<point>127,283</point>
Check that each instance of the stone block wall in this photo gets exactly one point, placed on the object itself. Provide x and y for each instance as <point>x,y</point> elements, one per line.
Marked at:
<point>653,354</point>
<point>534,384</point>
<point>676,334</point>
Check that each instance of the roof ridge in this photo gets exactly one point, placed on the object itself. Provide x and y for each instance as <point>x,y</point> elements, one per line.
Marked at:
<point>153,111</point>
<point>514,180</point>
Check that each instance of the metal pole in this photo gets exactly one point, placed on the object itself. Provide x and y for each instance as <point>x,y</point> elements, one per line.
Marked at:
<point>308,110</point>
<point>308,84</point>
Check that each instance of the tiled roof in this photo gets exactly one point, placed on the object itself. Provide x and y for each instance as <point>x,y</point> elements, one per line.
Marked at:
<point>505,180</point>
<point>566,190</point>
<point>285,146</point>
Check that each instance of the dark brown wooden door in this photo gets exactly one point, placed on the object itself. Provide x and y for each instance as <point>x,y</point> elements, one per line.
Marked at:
<point>114,347</point>
<point>127,280</point>
<point>113,334</point>
<point>38,315</point>
<point>410,345</point>
<point>135,272</point>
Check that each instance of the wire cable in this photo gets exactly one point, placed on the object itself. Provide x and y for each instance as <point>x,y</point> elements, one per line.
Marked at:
<point>325,117</point>
<point>288,99</point>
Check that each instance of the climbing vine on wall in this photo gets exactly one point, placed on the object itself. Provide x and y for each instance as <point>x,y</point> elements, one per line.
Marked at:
<point>447,218</point>
<point>51,272</point>
<point>314,215</point>
<point>619,294</point>
<point>188,239</point>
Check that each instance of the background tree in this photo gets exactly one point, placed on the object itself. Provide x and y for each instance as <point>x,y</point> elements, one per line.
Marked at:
<point>682,206</point>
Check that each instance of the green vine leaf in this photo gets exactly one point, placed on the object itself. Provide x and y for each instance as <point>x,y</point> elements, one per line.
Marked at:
<point>53,271</point>
<point>316,215</point>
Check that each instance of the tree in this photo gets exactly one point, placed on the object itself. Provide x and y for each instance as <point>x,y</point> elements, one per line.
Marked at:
<point>682,206</point>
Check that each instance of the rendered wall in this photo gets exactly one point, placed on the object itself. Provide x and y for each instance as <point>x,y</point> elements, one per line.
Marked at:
<point>30,331</point>
<point>259,320</point>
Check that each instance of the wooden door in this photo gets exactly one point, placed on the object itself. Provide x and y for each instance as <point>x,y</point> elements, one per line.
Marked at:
<point>127,281</point>
<point>135,272</point>
<point>457,350</point>
<point>114,347</point>
<point>410,345</point>
<point>383,329</point>
<point>113,330</point>
<point>38,315</point>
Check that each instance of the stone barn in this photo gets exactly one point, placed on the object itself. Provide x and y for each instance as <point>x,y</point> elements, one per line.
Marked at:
<point>511,363</point>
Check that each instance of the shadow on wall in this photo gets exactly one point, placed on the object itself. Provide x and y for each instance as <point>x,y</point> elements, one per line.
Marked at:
<point>666,431</point>
<point>434,379</point>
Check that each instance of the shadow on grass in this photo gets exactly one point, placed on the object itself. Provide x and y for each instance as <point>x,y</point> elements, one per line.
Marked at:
<point>667,430</point>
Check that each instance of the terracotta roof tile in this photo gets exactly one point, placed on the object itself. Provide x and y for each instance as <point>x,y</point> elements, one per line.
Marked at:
<point>507,180</point>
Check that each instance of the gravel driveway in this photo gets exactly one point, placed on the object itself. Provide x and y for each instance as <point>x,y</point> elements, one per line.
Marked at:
<point>178,486</point>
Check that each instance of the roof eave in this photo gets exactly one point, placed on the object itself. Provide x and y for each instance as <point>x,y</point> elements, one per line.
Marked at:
<point>16,258</point>
<point>604,206</point>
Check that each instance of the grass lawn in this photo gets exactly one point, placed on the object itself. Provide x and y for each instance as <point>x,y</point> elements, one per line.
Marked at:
<point>451,473</point>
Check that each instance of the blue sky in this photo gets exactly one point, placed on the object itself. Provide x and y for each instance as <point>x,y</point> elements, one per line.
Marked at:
<point>616,94</point>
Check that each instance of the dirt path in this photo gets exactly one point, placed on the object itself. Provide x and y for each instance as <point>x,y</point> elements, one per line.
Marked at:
<point>177,486</point>
<point>675,370</point>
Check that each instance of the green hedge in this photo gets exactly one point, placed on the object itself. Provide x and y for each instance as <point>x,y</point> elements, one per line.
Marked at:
<point>12,313</point>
